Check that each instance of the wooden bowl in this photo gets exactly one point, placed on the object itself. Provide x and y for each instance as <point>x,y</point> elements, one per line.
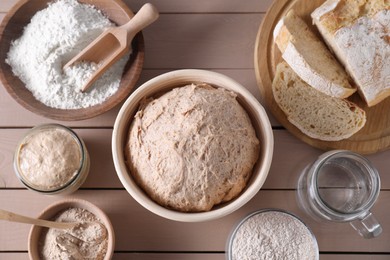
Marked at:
<point>51,211</point>
<point>179,78</point>
<point>11,28</point>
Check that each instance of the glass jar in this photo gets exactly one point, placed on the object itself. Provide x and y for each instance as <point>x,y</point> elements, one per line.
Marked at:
<point>341,186</point>
<point>51,159</point>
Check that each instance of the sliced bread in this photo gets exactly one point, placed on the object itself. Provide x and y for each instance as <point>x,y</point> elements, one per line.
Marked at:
<point>314,113</point>
<point>358,31</point>
<point>309,57</point>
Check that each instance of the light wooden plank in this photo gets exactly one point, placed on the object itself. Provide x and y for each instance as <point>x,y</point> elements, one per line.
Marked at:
<point>202,41</point>
<point>177,6</point>
<point>198,256</point>
<point>139,230</point>
<point>205,6</point>
<point>5,5</point>
<point>291,156</point>
<point>14,256</point>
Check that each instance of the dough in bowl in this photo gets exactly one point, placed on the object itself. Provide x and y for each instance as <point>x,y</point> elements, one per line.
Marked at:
<point>192,148</point>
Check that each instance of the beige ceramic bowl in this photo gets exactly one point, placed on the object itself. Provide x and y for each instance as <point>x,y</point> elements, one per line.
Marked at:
<point>179,78</point>
<point>12,28</point>
<point>51,211</point>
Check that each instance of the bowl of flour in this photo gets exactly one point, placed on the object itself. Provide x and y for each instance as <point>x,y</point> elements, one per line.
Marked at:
<point>272,234</point>
<point>89,240</point>
<point>39,37</point>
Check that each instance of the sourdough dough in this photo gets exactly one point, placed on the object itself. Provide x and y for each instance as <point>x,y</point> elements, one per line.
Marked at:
<point>192,148</point>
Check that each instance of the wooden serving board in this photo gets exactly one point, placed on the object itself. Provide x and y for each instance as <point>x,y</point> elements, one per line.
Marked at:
<point>375,135</point>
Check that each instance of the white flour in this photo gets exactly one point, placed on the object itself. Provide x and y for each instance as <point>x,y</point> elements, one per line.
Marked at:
<point>86,241</point>
<point>365,47</point>
<point>273,235</point>
<point>53,37</point>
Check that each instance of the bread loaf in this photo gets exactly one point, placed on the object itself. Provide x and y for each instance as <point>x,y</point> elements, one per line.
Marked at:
<point>309,57</point>
<point>358,31</point>
<point>313,112</point>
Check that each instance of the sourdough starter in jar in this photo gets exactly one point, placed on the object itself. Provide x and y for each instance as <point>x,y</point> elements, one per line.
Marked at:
<point>50,158</point>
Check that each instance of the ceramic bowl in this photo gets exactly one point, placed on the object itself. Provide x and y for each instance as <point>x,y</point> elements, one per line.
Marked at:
<point>11,28</point>
<point>51,211</point>
<point>164,83</point>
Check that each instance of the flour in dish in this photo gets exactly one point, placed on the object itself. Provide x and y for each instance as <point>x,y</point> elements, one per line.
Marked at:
<point>53,37</point>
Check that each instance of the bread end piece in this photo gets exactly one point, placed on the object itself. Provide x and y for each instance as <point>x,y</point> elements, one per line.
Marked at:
<point>314,113</point>
<point>309,57</point>
<point>357,33</point>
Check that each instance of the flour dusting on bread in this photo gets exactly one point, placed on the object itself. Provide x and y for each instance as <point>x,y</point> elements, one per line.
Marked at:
<point>358,32</point>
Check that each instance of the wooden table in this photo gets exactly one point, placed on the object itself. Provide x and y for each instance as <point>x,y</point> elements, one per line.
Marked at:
<point>216,35</point>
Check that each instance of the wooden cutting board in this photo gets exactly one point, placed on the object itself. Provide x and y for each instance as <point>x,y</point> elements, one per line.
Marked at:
<point>375,135</point>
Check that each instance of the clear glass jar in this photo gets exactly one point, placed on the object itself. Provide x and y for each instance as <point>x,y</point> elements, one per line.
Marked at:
<point>341,186</point>
<point>51,159</point>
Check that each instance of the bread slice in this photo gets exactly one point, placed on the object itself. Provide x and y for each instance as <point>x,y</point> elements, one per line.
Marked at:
<point>309,57</point>
<point>358,31</point>
<point>313,112</point>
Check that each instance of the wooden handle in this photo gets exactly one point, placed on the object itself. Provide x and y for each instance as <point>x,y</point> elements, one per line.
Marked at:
<point>13,217</point>
<point>145,16</point>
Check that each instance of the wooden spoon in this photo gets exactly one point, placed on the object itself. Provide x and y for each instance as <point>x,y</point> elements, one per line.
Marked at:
<point>114,43</point>
<point>13,217</point>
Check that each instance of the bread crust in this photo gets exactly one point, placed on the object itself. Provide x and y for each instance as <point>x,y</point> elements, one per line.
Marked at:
<point>358,32</point>
<point>314,113</point>
<point>309,57</point>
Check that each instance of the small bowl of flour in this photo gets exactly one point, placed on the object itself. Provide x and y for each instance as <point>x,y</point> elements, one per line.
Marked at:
<point>39,37</point>
<point>272,234</point>
<point>92,239</point>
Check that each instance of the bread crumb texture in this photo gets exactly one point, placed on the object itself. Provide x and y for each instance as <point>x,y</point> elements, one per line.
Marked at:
<point>308,56</point>
<point>313,112</point>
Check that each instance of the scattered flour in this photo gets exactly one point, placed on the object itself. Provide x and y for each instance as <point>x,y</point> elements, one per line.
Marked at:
<point>85,241</point>
<point>53,37</point>
<point>273,235</point>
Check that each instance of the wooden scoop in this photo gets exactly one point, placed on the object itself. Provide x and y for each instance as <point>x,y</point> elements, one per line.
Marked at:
<point>13,217</point>
<point>114,43</point>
